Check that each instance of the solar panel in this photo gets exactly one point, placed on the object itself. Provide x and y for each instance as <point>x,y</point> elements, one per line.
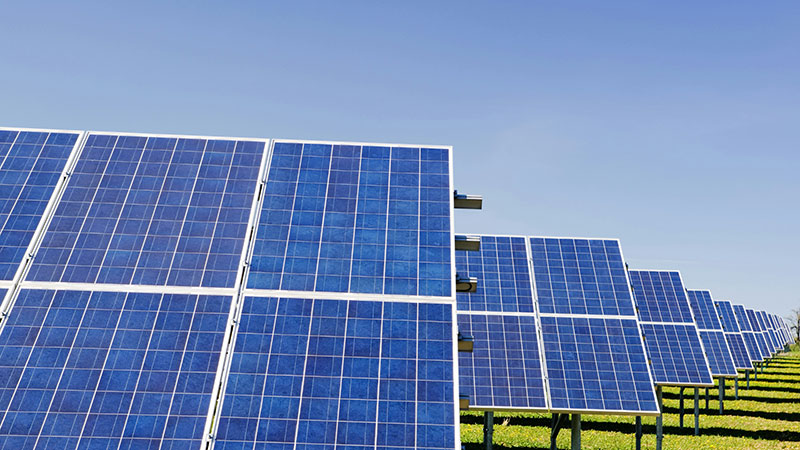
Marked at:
<point>504,369</point>
<point>353,218</point>
<point>670,335</point>
<point>150,210</point>
<point>750,342</point>
<point>351,373</point>
<point>766,326</point>
<point>760,340</point>
<point>99,369</point>
<point>765,332</point>
<point>733,335</point>
<point>719,355</point>
<point>31,165</point>
<point>594,356</point>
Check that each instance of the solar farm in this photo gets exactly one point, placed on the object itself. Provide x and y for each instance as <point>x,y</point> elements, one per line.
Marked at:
<point>189,292</point>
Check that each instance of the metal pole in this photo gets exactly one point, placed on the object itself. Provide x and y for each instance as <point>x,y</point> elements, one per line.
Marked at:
<point>706,398</point>
<point>576,432</point>
<point>755,373</point>
<point>488,429</point>
<point>680,414</point>
<point>697,411</point>
<point>721,393</point>
<point>638,432</point>
<point>736,387</point>
<point>659,420</point>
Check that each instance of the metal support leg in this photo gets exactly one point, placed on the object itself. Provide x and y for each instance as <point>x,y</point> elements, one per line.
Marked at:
<point>755,373</point>
<point>680,407</point>
<point>697,411</point>
<point>488,429</point>
<point>736,387</point>
<point>721,393</point>
<point>638,432</point>
<point>557,423</point>
<point>706,399</point>
<point>659,419</point>
<point>576,432</point>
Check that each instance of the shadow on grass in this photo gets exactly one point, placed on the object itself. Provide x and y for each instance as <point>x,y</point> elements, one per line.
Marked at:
<point>744,394</point>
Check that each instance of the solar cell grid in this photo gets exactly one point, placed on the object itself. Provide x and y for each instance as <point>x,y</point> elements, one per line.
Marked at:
<point>359,374</point>
<point>86,369</point>
<point>148,210</point>
<point>733,335</point>
<point>660,296</point>
<point>719,355</point>
<point>580,276</point>
<point>705,314</point>
<point>31,164</point>
<point>504,369</point>
<point>596,364</point>
<point>676,354</point>
<point>351,218</point>
<point>504,282</point>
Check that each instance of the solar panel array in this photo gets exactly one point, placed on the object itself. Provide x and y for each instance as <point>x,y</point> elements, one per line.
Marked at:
<point>759,334</point>
<point>750,342</point>
<point>144,276</point>
<point>709,324</point>
<point>733,335</point>
<point>673,343</point>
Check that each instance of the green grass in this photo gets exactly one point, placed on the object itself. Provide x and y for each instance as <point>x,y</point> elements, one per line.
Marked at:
<point>766,416</point>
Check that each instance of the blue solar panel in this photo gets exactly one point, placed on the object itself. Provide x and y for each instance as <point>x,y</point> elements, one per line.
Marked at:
<point>580,276</point>
<point>773,343</point>
<point>356,374</point>
<point>504,281</point>
<point>108,369</point>
<point>31,164</point>
<point>741,318</point>
<point>349,218</point>
<point>676,354</point>
<point>705,314</point>
<point>504,370</point>
<point>758,332</point>
<point>596,364</point>
<point>733,335</point>
<point>660,296</point>
<point>152,211</point>
<point>719,355</point>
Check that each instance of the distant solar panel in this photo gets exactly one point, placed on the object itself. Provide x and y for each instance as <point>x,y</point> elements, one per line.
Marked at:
<point>501,267</point>
<point>670,334</point>
<point>150,210</point>
<point>31,164</point>
<point>504,370</point>
<point>83,369</point>
<point>352,218</point>
<point>747,333</point>
<point>594,356</point>
<point>580,276</point>
<point>733,335</point>
<point>357,374</point>
<point>768,328</point>
<point>719,355</point>
<point>760,339</point>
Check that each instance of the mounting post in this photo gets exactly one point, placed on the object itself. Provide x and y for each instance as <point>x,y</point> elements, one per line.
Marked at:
<point>638,432</point>
<point>721,393</point>
<point>488,429</point>
<point>706,399</point>
<point>576,432</point>
<point>556,424</point>
<point>659,419</point>
<point>697,411</point>
<point>680,407</point>
<point>755,372</point>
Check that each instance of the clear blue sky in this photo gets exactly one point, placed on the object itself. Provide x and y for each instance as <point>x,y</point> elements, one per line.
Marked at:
<point>672,125</point>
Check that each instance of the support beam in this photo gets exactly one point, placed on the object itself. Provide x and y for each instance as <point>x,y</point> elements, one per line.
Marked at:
<point>755,373</point>
<point>680,407</point>
<point>488,429</point>
<point>558,421</point>
<point>721,394</point>
<point>659,419</point>
<point>706,399</point>
<point>638,432</point>
<point>736,387</point>
<point>697,411</point>
<point>576,432</point>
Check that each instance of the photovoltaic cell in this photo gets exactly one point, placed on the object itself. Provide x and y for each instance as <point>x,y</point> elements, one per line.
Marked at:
<point>504,369</point>
<point>580,276</point>
<point>350,373</point>
<point>733,335</point>
<point>148,210</point>
<point>85,369</point>
<point>676,354</point>
<point>31,163</point>
<point>349,218</point>
<point>596,364</point>
<point>504,281</point>
<point>670,334</point>
<point>660,296</point>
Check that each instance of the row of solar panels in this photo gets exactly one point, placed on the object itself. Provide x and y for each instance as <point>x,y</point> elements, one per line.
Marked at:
<point>190,292</point>
<point>558,325</point>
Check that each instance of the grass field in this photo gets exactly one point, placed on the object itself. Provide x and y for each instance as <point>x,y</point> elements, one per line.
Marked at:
<point>767,416</point>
